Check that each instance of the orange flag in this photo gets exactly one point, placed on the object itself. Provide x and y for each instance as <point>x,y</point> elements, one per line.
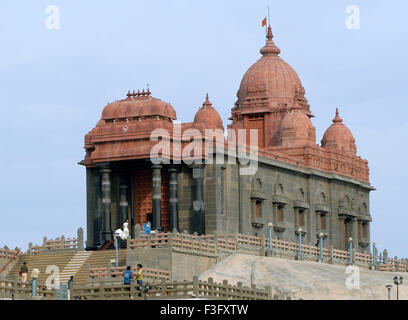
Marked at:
<point>264,22</point>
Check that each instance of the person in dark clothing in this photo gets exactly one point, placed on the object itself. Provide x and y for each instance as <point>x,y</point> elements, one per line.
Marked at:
<point>70,285</point>
<point>23,272</point>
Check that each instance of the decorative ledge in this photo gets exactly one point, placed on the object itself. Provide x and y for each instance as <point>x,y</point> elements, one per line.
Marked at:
<point>257,224</point>
<point>301,204</point>
<point>364,243</point>
<point>280,199</point>
<point>279,228</point>
<point>322,208</point>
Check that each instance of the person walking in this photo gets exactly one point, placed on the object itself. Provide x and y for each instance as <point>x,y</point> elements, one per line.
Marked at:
<point>24,272</point>
<point>139,278</point>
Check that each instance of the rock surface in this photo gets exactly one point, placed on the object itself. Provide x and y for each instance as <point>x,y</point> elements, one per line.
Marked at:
<point>291,279</point>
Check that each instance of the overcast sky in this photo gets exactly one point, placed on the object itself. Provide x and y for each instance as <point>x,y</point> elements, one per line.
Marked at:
<point>55,83</point>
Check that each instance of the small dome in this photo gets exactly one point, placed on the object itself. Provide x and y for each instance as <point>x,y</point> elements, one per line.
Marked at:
<point>297,129</point>
<point>139,104</point>
<point>207,117</point>
<point>339,137</point>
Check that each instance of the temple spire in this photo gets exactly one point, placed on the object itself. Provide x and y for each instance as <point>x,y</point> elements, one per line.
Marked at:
<point>269,35</point>
<point>337,118</point>
<point>270,49</point>
<point>207,102</point>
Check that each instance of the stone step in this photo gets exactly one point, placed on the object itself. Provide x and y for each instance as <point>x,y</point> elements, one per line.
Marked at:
<point>69,263</point>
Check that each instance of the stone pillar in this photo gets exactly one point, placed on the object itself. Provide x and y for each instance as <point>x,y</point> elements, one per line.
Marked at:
<point>198,203</point>
<point>274,212</point>
<point>317,222</point>
<point>342,240</point>
<point>354,232</point>
<point>296,213</point>
<point>90,210</point>
<point>80,238</point>
<point>97,200</point>
<point>123,203</point>
<point>106,233</point>
<point>368,235</point>
<point>173,199</point>
<point>156,201</point>
<point>375,255</point>
<point>360,234</point>
<point>385,256</point>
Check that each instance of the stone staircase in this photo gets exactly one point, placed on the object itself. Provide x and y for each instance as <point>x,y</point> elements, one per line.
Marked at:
<point>97,259</point>
<point>73,263</point>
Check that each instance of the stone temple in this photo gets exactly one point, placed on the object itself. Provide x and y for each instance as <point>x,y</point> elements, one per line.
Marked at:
<point>299,185</point>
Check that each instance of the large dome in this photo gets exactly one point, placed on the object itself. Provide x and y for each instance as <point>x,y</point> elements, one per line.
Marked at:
<point>138,105</point>
<point>271,81</point>
<point>339,137</point>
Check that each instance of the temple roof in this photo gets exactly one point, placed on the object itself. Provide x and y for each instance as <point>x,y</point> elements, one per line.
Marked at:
<point>138,104</point>
<point>208,116</point>
<point>339,137</point>
<point>271,80</point>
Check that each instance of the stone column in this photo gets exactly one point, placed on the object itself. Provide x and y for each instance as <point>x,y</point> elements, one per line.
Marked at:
<point>354,232</point>
<point>317,222</point>
<point>368,235</point>
<point>80,238</point>
<point>156,201</point>
<point>106,233</point>
<point>342,240</point>
<point>296,214</point>
<point>309,222</point>
<point>274,213</point>
<point>97,199</point>
<point>90,211</point>
<point>123,202</point>
<point>198,203</point>
<point>173,199</point>
<point>360,231</point>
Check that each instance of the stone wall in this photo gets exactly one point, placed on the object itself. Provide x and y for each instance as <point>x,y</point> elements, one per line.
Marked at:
<point>181,264</point>
<point>336,198</point>
<point>157,258</point>
<point>185,200</point>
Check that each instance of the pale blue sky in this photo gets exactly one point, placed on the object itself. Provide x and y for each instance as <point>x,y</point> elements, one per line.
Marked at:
<point>55,83</point>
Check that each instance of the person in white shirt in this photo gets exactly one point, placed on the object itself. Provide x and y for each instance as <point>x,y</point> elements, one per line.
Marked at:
<point>125,229</point>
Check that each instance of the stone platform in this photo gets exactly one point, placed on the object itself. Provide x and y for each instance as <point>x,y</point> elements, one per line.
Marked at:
<point>291,279</point>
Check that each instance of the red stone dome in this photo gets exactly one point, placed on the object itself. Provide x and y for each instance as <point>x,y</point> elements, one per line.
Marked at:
<point>339,137</point>
<point>137,105</point>
<point>271,81</point>
<point>207,117</point>
<point>297,129</point>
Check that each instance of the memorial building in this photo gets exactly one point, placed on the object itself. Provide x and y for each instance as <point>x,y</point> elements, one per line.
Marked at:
<point>299,185</point>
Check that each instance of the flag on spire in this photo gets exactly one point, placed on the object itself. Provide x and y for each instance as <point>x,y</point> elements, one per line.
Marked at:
<point>264,22</point>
